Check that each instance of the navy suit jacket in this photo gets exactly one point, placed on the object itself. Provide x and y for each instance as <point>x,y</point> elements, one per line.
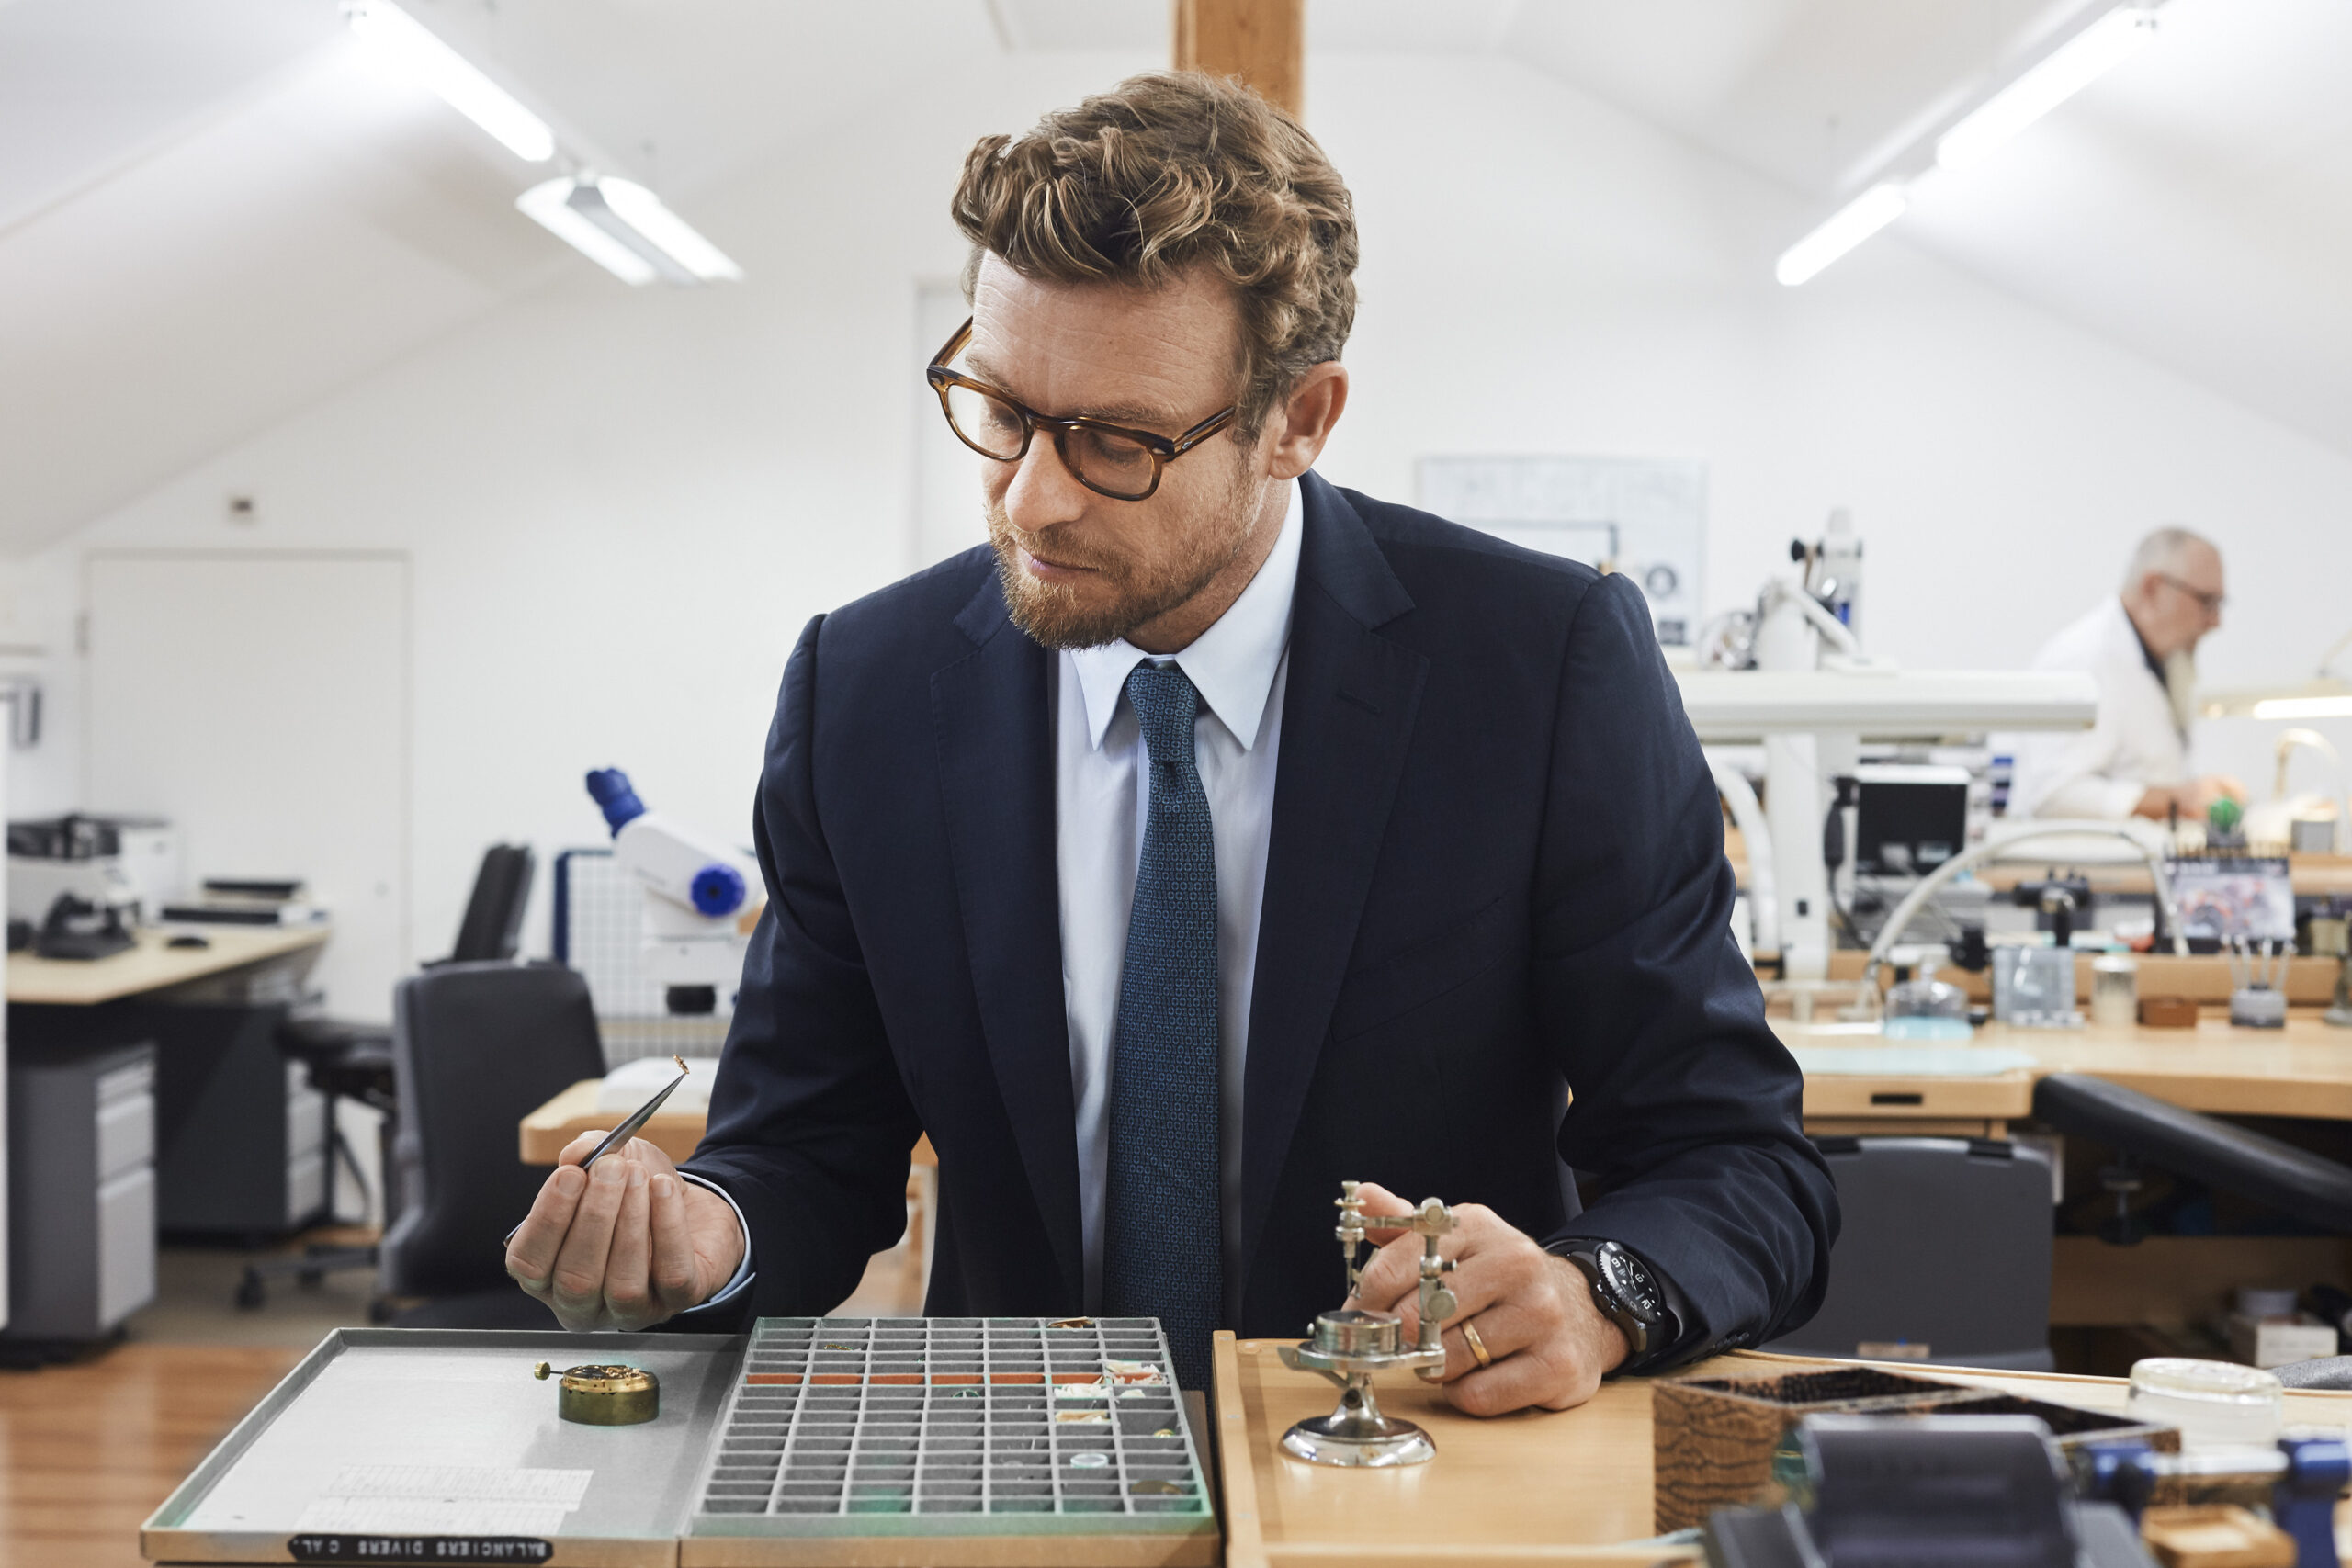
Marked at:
<point>1496,865</point>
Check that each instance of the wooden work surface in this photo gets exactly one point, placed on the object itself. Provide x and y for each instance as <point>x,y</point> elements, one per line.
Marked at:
<point>153,966</point>
<point>2304,1069</point>
<point>546,1131</point>
<point>1569,1486</point>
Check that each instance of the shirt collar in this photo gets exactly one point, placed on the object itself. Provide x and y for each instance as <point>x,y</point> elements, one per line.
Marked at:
<point>1231,664</point>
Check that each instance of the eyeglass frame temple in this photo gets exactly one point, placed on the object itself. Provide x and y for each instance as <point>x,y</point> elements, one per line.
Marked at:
<point>1162,450</point>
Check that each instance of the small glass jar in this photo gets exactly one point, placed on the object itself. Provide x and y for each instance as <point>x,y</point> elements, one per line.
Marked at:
<point>2214,1403</point>
<point>2114,989</point>
<point>1923,1008</point>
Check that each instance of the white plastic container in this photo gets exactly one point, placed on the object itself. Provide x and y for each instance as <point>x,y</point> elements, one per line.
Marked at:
<point>2215,1403</point>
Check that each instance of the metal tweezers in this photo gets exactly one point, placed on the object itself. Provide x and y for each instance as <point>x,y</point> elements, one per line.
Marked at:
<point>638,1118</point>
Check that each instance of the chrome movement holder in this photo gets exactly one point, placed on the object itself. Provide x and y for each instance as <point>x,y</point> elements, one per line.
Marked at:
<point>1349,1345</point>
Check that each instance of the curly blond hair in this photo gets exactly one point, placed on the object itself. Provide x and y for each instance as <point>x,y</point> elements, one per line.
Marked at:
<point>1164,172</point>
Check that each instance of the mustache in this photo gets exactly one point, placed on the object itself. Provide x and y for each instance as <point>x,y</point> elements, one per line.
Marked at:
<point>1053,543</point>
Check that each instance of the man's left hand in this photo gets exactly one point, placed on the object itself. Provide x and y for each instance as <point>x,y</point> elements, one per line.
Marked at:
<point>1546,1343</point>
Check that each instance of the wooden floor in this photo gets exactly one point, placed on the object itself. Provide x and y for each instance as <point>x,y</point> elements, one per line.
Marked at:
<point>88,1450</point>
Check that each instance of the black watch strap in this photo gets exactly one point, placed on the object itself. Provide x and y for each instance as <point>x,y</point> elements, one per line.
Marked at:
<point>1628,1294</point>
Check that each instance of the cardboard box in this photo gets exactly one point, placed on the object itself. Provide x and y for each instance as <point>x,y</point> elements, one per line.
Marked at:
<point>2275,1341</point>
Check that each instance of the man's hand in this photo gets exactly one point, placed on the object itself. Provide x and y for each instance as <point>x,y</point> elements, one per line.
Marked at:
<point>626,1244</point>
<point>2193,799</point>
<point>1546,1341</point>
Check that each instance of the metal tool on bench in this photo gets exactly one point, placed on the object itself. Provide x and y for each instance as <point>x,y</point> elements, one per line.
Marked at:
<point>2299,1481</point>
<point>1349,1345</point>
<point>1897,1492</point>
<point>2257,982</point>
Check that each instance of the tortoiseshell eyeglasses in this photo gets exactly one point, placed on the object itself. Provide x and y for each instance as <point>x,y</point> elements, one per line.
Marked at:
<point>1109,459</point>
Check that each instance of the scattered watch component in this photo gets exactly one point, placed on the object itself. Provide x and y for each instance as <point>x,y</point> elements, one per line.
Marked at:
<point>605,1394</point>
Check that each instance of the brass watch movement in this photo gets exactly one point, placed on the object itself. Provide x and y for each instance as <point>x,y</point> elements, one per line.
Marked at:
<point>605,1394</point>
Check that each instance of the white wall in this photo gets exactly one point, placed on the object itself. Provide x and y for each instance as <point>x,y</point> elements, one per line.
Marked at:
<point>623,506</point>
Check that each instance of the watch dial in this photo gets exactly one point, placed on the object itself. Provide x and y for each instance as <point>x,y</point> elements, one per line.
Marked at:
<point>1632,1282</point>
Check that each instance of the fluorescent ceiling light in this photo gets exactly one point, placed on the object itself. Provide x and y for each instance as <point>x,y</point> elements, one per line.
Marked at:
<point>2304,707</point>
<point>547,205</point>
<point>2075,65</point>
<point>639,212</point>
<point>623,228</point>
<point>1856,222</point>
<point>411,48</point>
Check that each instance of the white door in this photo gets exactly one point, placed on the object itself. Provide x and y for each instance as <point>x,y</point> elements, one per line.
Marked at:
<point>261,701</point>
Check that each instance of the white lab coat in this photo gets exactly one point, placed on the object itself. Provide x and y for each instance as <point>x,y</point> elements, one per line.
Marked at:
<point>2101,771</point>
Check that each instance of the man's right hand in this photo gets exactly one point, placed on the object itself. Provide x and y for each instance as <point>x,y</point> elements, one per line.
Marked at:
<point>626,1244</point>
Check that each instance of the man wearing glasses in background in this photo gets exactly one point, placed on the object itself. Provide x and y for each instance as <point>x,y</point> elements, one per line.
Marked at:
<point>1214,835</point>
<point>2140,648</point>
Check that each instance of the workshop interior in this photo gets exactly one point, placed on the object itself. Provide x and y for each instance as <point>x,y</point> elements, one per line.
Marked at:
<point>508,770</point>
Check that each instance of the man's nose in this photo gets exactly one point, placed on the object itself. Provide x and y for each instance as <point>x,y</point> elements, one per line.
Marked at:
<point>1043,491</point>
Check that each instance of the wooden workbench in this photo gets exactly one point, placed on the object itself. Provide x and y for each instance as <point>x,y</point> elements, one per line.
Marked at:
<point>153,964</point>
<point>1569,1486</point>
<point>2304,1069</point>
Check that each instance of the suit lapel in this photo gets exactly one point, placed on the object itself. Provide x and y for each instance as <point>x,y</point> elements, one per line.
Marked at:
<point>1347,721</point>
<point>996,765</point>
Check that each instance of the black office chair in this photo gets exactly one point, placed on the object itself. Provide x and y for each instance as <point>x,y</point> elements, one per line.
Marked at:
<point>477,1047</point>
<point>1943,1254</point>
<point>2140,1127</point>
<point>345,1060</point>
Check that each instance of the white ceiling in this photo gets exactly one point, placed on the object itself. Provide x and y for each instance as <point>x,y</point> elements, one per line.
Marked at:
<point>211,211</point>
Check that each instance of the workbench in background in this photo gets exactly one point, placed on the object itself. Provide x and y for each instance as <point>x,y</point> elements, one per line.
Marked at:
<point>241,1138</point>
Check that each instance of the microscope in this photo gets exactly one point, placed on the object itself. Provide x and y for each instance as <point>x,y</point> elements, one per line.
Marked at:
<point>699,897</point>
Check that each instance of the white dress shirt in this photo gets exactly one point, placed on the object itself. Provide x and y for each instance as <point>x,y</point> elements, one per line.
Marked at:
<point>1101,793</point>
<point>1240,666</point>
<point>2135,742</point>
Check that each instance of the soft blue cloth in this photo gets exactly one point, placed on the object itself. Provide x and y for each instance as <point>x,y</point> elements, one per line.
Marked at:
<point>1162,1253</point>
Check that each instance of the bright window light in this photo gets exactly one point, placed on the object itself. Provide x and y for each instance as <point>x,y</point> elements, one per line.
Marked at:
<point>550,205</point>
<point>1856,222</point>
<point>2304,707</point>
<point>2076,64</point>
<point>412,49</point>
<point>665,230</point>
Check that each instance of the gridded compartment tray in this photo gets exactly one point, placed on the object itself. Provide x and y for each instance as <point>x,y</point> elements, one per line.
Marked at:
<point>967,1431</point>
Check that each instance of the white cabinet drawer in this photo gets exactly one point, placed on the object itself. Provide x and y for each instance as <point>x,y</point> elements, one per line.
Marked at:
<point>126,1244</point>
<point>126,1134</point>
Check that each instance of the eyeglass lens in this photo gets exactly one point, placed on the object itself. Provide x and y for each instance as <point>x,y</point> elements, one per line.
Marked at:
<point>1114,465</point>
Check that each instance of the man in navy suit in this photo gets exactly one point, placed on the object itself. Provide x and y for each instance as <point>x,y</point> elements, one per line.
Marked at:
<point>1216,834</point>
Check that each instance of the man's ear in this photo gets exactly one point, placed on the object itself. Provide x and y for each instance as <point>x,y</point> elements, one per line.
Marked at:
<point>1304,422</point>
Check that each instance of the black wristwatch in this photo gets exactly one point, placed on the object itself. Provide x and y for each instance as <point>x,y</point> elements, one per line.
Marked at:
<point>1626,1290</point>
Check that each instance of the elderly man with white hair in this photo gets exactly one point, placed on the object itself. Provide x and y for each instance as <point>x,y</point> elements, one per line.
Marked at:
<point>2140,646</point>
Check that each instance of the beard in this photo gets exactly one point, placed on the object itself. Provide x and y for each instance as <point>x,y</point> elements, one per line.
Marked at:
<point>2180,687</point>
<point>1210,534</point>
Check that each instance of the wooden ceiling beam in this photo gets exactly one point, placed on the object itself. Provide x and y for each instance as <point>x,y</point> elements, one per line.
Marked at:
<point>1264,42</point>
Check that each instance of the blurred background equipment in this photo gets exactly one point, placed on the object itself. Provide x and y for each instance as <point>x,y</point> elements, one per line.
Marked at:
<point>697,895</point>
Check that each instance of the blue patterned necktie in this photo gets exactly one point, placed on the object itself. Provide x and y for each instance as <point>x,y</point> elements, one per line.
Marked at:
<point>1162,1252</point>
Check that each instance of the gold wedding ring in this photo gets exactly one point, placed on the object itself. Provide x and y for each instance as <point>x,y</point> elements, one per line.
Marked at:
<point>1477,1346</point>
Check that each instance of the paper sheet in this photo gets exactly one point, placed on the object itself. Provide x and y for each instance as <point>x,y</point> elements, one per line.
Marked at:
<point>446,1500</point>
